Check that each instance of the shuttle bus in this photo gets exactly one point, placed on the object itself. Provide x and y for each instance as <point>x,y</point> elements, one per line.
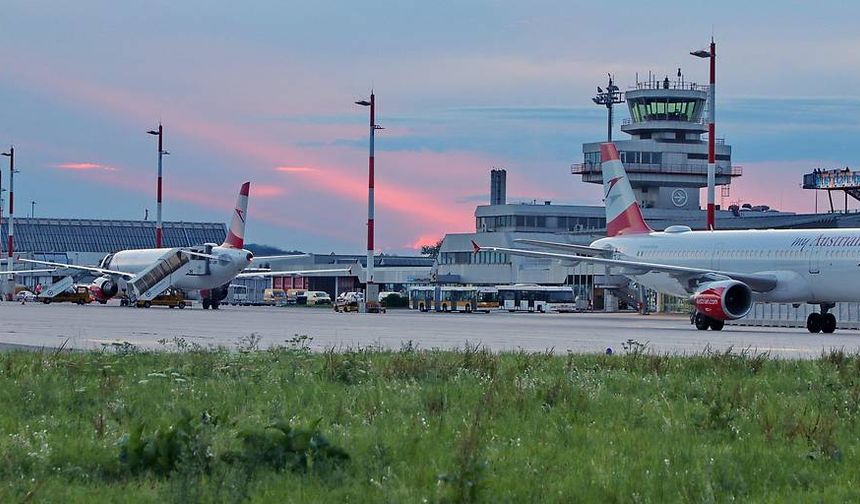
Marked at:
<point>488,299</point>
<point>422,298</point>
<point>536,298</point>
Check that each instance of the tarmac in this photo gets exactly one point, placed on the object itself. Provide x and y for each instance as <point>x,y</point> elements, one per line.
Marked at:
<point>94,327</point>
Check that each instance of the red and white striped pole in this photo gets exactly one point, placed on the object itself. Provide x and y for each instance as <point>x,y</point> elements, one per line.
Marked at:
<point>10,246</point>
<point>370,183</point>
<point>712,160</point>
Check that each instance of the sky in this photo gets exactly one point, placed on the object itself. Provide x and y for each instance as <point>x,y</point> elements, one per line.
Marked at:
<point>265,90</point>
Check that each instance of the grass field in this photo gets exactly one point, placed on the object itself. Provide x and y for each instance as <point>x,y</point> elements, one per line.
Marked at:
<point>288,425</point>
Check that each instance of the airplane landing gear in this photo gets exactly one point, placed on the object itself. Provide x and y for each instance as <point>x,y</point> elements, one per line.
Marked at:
<point>824,322</point>
<point>703,322</point>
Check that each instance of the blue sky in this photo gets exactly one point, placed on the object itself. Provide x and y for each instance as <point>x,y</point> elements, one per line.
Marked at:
<point>263,91</point>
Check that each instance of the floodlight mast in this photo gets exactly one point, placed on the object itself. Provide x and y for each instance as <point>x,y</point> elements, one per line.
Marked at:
<point>712,160</point>
<point>608,98</point>
<point>10,246</point>
<point>370,185</point>
<point>159,233</point>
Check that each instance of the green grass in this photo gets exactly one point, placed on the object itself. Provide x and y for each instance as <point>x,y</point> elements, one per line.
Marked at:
<point>428,426</point>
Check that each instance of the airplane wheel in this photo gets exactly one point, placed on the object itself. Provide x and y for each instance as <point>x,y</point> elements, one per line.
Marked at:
<point>828,324</point>
<point>215,305</point>
<point>717,325</point>
<point>205,304</point>
<point>701,322</point>
<point>814,322</point>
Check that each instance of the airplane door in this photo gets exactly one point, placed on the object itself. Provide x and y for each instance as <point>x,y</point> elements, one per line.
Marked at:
<point>814,259</point>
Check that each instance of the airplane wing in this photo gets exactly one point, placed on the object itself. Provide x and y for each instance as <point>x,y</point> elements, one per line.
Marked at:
<point>294,272</point>
<point>91,269</point>
<point>276,257</point>
<point>690,276</point>
<point>569,247</point>
<point>19,272</point>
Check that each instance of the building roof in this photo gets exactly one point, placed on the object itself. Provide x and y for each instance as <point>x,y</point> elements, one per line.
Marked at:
<point>104,235</point>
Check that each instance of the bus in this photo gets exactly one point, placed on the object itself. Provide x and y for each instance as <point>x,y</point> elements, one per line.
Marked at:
<point>458,299</point>
<point>488,299</point>
<point>422,298</point>
<point>536,298</point>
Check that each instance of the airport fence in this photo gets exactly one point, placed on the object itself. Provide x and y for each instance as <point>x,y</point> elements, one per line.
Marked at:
<point>787,315</point>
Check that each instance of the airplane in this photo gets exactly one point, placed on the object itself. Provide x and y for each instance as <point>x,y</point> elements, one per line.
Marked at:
<point>722,272</point>
<point>146,273</point>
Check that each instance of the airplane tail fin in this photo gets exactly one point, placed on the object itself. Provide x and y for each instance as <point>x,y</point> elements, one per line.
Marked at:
<point>623,215</point>
<point>236,234</point>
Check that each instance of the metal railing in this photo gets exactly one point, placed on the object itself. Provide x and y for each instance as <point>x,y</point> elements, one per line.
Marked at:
<point>670,169</point>
<point>628,121</point>
<point>661,84</point>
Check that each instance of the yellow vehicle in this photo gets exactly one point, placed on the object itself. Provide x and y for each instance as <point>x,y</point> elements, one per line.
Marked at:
<point>458,299</point>
<point>171,298</point>
<point>78,294</point>
<point>274,297</point>
<point>488,299</point>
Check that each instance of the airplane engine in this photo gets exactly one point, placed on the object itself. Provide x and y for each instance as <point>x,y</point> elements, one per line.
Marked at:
<point>723,300</point>
<point>220,293</point>
<point>104,288</point>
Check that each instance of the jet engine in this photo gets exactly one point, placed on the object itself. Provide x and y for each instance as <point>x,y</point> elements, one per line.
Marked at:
<point>104,288</point>
<point>723,300</point>
<point>220,293</point>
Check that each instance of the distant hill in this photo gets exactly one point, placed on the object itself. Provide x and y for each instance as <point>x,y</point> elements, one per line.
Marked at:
<point>268,250</point>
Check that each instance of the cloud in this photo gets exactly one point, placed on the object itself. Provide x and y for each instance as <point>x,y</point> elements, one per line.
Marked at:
<point>267,191</point>
<point>295,169</point>
<point>85,166</point>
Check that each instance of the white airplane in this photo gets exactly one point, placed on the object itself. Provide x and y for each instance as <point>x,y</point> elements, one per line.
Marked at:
<point>145,273</point>
<point>722,272</point>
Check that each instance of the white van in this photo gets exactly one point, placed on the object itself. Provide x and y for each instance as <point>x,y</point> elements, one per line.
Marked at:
<point>318,298</point>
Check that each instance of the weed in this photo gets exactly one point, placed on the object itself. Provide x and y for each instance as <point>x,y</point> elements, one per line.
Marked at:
<point>162,450</point>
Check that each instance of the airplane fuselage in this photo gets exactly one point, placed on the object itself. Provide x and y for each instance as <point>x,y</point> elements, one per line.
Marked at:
<point>817,266</point>
<point>202,277</point>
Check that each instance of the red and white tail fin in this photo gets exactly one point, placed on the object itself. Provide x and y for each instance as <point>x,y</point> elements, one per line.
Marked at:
<point>623,216</point>
<point>236,234</point>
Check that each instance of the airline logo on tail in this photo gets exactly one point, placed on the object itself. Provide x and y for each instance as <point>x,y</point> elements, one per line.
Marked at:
<point>236,235</point>
<point>623,216</point>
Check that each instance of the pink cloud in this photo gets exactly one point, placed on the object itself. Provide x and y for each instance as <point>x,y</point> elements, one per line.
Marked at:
<point>294,169</point>
<point>268,191</point>
<point>84,166</point>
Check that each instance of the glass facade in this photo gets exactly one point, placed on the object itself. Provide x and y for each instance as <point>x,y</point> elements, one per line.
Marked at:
<point>473,258</point>
<point>104,236</point>
<point>664,109</point>
<point>544,223</point>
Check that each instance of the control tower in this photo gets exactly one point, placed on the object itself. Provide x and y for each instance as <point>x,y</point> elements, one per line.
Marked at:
<point>665,158</point>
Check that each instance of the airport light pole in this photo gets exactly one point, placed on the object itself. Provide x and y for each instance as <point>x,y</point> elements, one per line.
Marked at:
<point>159,232</point>
<point>712,161</point>
<point>608,98</point>
<point>370,187</point>
<point>10,244</point>
<point>32,209</point>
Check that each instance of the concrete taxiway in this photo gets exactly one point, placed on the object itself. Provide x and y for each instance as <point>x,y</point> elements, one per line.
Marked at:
<point>93,326</point>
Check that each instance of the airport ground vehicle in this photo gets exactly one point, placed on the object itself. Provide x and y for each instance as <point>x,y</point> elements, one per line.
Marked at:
<point>296,296</point>
<point>536,298</point>
<point>25,295</point>
<point>317,298</point>
<point>78,294</point>
<point>348,301</point>
<point>444,299</point>
<point>274,297</point>
<point>422,298</point>
<point>487,299</point>
<point>237,295</point>
<point>172,298</point>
